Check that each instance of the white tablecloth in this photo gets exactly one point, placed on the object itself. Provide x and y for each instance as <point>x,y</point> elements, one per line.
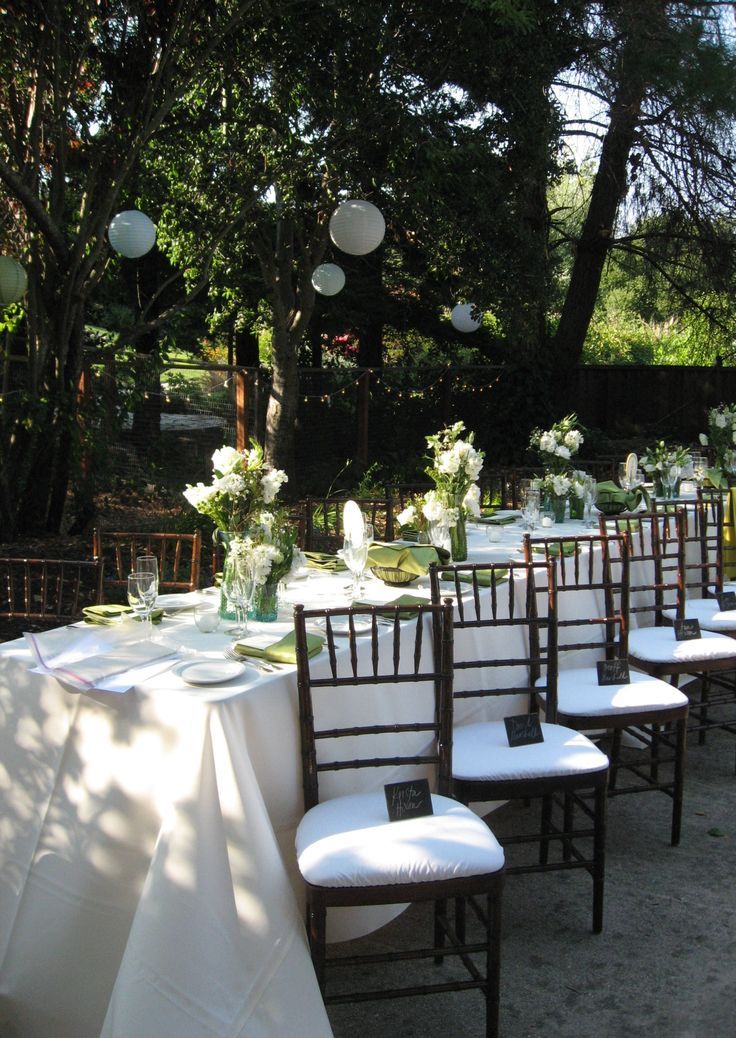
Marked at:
<point>147,877</point>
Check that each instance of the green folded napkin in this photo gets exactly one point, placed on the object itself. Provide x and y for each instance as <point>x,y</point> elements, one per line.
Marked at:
<point>484,577</point>
<point>402,600</point>
<point>323,560</point>
<point>281,651</point>
<point>610,498</point>
<point>497,520</point>
<point>568,548</point>
<point>411,558</point>
<point>410,535</point>
<point>110,613</point>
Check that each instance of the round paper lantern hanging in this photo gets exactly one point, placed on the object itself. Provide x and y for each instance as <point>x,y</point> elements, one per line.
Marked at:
<point>328,279</point>
<point>132,233</point>
<point>13,280</point>
<point>462,317</point>
<point>357,227</point>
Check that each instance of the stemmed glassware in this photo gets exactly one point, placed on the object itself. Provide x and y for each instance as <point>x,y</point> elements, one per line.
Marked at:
<point>355,554</point>
<point>589,495</point>
<point>142,590</point>
<point>699,467</point>
<point>240,585</point>
<point>530,507</point>
<point>369,538</point>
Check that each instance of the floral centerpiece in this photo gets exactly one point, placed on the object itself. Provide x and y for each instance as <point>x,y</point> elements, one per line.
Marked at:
<point>455,466</point>
<point>554,489</point>
<point>721,438</point>
<point>268,545</point>
<point>242,488</point>
<point>556,447</point>
<point>666,465</point>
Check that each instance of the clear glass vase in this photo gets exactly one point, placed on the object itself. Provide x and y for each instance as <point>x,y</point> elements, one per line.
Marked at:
<point>265,605</point>
<point>459,539</point>
<point>224,538</point>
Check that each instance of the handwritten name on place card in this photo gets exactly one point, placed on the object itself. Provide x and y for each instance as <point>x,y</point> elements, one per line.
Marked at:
<point>410,799</point>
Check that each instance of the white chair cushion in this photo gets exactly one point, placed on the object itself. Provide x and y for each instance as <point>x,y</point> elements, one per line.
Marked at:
<point>706,611</point>
<point>481,751</point>
<point>659,645</point>
<point>580,695</point>
<point>349,842</point>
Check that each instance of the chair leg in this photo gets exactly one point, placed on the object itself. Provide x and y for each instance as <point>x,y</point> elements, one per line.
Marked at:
<point>679,780</point>
<point>654,753</point>
<point>545,829</point>
<point>493,964</point>
<point>599,856</point>
<point>317,933</point>
<point>460,910</point>
<point>568,822</point>
<point>615,758</point>
<point>440,911</point>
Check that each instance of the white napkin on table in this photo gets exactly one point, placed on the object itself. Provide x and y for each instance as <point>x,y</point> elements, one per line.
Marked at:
<point>104,661</point>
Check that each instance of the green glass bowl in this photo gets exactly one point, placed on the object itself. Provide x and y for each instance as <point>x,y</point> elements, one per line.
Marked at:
<point>396,577</point>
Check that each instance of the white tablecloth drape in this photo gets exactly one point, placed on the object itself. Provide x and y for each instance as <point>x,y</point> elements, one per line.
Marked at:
<point>148,883</point>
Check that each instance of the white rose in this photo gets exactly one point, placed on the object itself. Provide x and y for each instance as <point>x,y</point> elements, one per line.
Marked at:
<point>547,442</point>
<point>471,501</point>
<point>721,421</point>
<point>408,515</point>
<point>225,458</point>
<point>562,451</point>
<point>433,509</point>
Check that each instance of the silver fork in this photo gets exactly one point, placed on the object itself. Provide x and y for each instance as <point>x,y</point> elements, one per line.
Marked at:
<point>267,668</point>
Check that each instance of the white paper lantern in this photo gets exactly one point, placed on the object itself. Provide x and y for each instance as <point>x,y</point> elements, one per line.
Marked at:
<point>13,280</point>
<point>132,233</point>
<point>328,279</point>
<point>462,318</point>
<point>357,227</point>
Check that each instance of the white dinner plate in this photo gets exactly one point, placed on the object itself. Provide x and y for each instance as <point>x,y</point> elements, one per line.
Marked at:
<point>209,672</point>
<point>362,625</point>
<point>174,602</point>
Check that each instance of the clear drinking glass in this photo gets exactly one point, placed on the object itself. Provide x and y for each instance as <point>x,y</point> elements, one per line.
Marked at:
<point>624,479</point>
<point>355,554</point>
<point>589,499</point>
<point>141,597</point>
<point>530,508</point>
<point>239,587</point>
<point>148,564</point>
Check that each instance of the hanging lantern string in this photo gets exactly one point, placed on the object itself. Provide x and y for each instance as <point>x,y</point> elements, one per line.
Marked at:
<point>326,398</point>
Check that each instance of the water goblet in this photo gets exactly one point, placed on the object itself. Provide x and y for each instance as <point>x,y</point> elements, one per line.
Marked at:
<point>141,596</point>
<point>624,477</point>
<point>239,584</point>
<point>589,499</point>
<point>530,509</point>
<point>355,554</point>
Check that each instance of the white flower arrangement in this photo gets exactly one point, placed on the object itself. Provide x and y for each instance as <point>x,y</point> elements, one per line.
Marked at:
<point>667,462</point>
<point>268,544</point>
<point>555,483</point>
<point>241,484</point>
<point>722,436</point>
<point>556,446</point>
<point>455,466</point>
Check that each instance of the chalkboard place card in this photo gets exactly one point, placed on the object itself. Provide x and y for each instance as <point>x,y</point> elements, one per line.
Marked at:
<point>410,799</point>
<point>613,672</point>
<point>687,629</point>
<point>726,600</point>
<point>523,729</point>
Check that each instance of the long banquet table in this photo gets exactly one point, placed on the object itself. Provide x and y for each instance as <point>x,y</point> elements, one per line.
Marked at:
<point>147,877</point>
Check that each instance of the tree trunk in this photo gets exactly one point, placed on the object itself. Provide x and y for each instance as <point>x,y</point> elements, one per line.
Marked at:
<point>281,413</point>
<point>609,190</point>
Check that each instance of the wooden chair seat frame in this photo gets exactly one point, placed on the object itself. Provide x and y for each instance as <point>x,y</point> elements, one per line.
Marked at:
<point>432,625</point>
<point>600,565</point>
<point>48,592</point>
<point>568,796</point>
<point>178,554</point>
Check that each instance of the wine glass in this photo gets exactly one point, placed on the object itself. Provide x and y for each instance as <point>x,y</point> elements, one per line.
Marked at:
<point>590,485</point>
<point>624,477</point>
<point>141,596</point>
<point>239,586</point>
<point>530,508</point>
<point>148,564</point>
<point>699,466</point>
<point>355,554</point>
<point>369,538</point>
